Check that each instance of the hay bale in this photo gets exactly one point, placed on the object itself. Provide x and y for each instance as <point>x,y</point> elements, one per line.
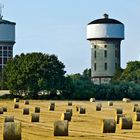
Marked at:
<point>1,110</point>
<point>66,116</point>
<point>26,102</point>
<point>99,104</point>
<point>69,110</point>
<point>137,116</point>
<point>127,100</point>
<point>16,100</point>
<point>16,105</point>
<point>98,108</point>
<point>9,119</point>
<point>51,107</point>
<point>92,100</point>
<point>82,110</point>
<point>77,108</point>
<point>119,111</point>
<point>25,111</point>
<point>12,131</point>
<point>34,117</point>
<point>126,123</point>
<point>4,109</point>
<point>37,109</point>
<point>136,105</point>
<point>69,103</point>
<point>108,126</point>
<point>117,117</point>
<point>52,103</point>
<point>110,103</point>
<point>137,109</point>
<point>61,128</point>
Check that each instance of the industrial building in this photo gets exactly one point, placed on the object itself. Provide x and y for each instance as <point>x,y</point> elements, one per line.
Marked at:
<point>105,37</point>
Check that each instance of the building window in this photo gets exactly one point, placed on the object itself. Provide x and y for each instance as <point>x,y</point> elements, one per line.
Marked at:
<point>0,53</point>
<point>94,46</point>
<point>4,60</point>
<point>94,54</point>
<point>116,65</point>
<point>9,48</point>
<point>5,48</point>
<point>4,53</point>
<point>105,46</point>
<point>95,66</point>
<point>105,66</point>
<point>10,54</point>
<point>115,53</point>
<point>105,53</point>
<point>0,60</point>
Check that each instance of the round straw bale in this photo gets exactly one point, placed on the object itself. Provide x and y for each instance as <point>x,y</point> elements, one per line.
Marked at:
<point>77,108</point>
<point>92,100</point>
<point>136,105</point>
<point>137,109</point>
<point>66,116</point>
<point>16,100</point>
<point>119,111</point>
<point>110,103</point>
<point>137,116</point>
<point>108,126</point>
<point>99,104</point>
<point>69,110</point>
<point>26,102</point>
<point>127,100</point>
<point>98,108</point>
<point>61,128</point>
<point>16,105</point>
<point>69,103</point>
<point>25,111</point>
<point>117,117</point>
<point>4,109</point>
<point>51,107</point>
<point>34,117</point>
<point>37,109</point>
<point>12,131</point>
<point>1,110</point>
<point>126,123</point>
<point>82,110</point>
<point>9,119</point>
<point>52,103</point>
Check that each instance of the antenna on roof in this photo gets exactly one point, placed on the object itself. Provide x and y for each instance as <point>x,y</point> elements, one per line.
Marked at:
<point>1,6</point>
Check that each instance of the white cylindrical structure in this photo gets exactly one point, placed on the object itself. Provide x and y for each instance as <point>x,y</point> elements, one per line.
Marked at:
<point>105,37</point>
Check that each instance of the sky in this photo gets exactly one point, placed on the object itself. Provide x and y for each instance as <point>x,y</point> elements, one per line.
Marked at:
<point>59,27</point>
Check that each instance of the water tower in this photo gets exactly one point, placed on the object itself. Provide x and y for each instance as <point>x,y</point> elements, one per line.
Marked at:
<point>105,37</point>
<point>7,40</point>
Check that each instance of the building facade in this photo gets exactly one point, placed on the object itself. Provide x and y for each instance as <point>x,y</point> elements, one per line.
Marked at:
<point>105,37</point>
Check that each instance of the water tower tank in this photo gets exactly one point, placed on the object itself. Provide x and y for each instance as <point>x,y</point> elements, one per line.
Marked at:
<point>105,37</point>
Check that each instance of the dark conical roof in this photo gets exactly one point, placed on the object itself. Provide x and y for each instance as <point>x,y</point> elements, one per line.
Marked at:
<point>104,20</point>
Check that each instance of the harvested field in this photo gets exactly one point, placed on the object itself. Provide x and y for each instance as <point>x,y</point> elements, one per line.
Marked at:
<point>82,126</point>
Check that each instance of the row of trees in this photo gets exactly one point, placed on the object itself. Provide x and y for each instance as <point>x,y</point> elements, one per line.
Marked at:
<point>42,76</point>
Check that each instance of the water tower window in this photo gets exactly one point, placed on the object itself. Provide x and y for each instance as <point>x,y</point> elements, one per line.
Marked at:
<point>105,66</point>
<point>5,60</point>
<point>94,54</point>
<point>0,53</point>
<point>105,53</point>
<point>95,66</point>
<point>5,48</point>
<point>94,46</point>
<point>105,46</point>
<point>4,53</point>
<point>115,53</point>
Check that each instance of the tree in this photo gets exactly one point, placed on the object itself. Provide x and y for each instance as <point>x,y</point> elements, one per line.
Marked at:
<point>132,72</point>
<point>34,72</point>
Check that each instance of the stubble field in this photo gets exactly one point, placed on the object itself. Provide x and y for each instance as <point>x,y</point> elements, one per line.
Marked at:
<point>82,126</point>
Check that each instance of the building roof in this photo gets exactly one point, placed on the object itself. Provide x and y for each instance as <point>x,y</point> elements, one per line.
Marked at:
<point>2,21</point>
<point>104,20</point>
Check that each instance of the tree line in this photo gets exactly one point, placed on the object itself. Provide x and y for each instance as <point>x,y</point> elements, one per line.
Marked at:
<point>43,76</point>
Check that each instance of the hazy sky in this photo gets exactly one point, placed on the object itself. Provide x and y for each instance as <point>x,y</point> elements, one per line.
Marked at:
<point>59,27</point>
